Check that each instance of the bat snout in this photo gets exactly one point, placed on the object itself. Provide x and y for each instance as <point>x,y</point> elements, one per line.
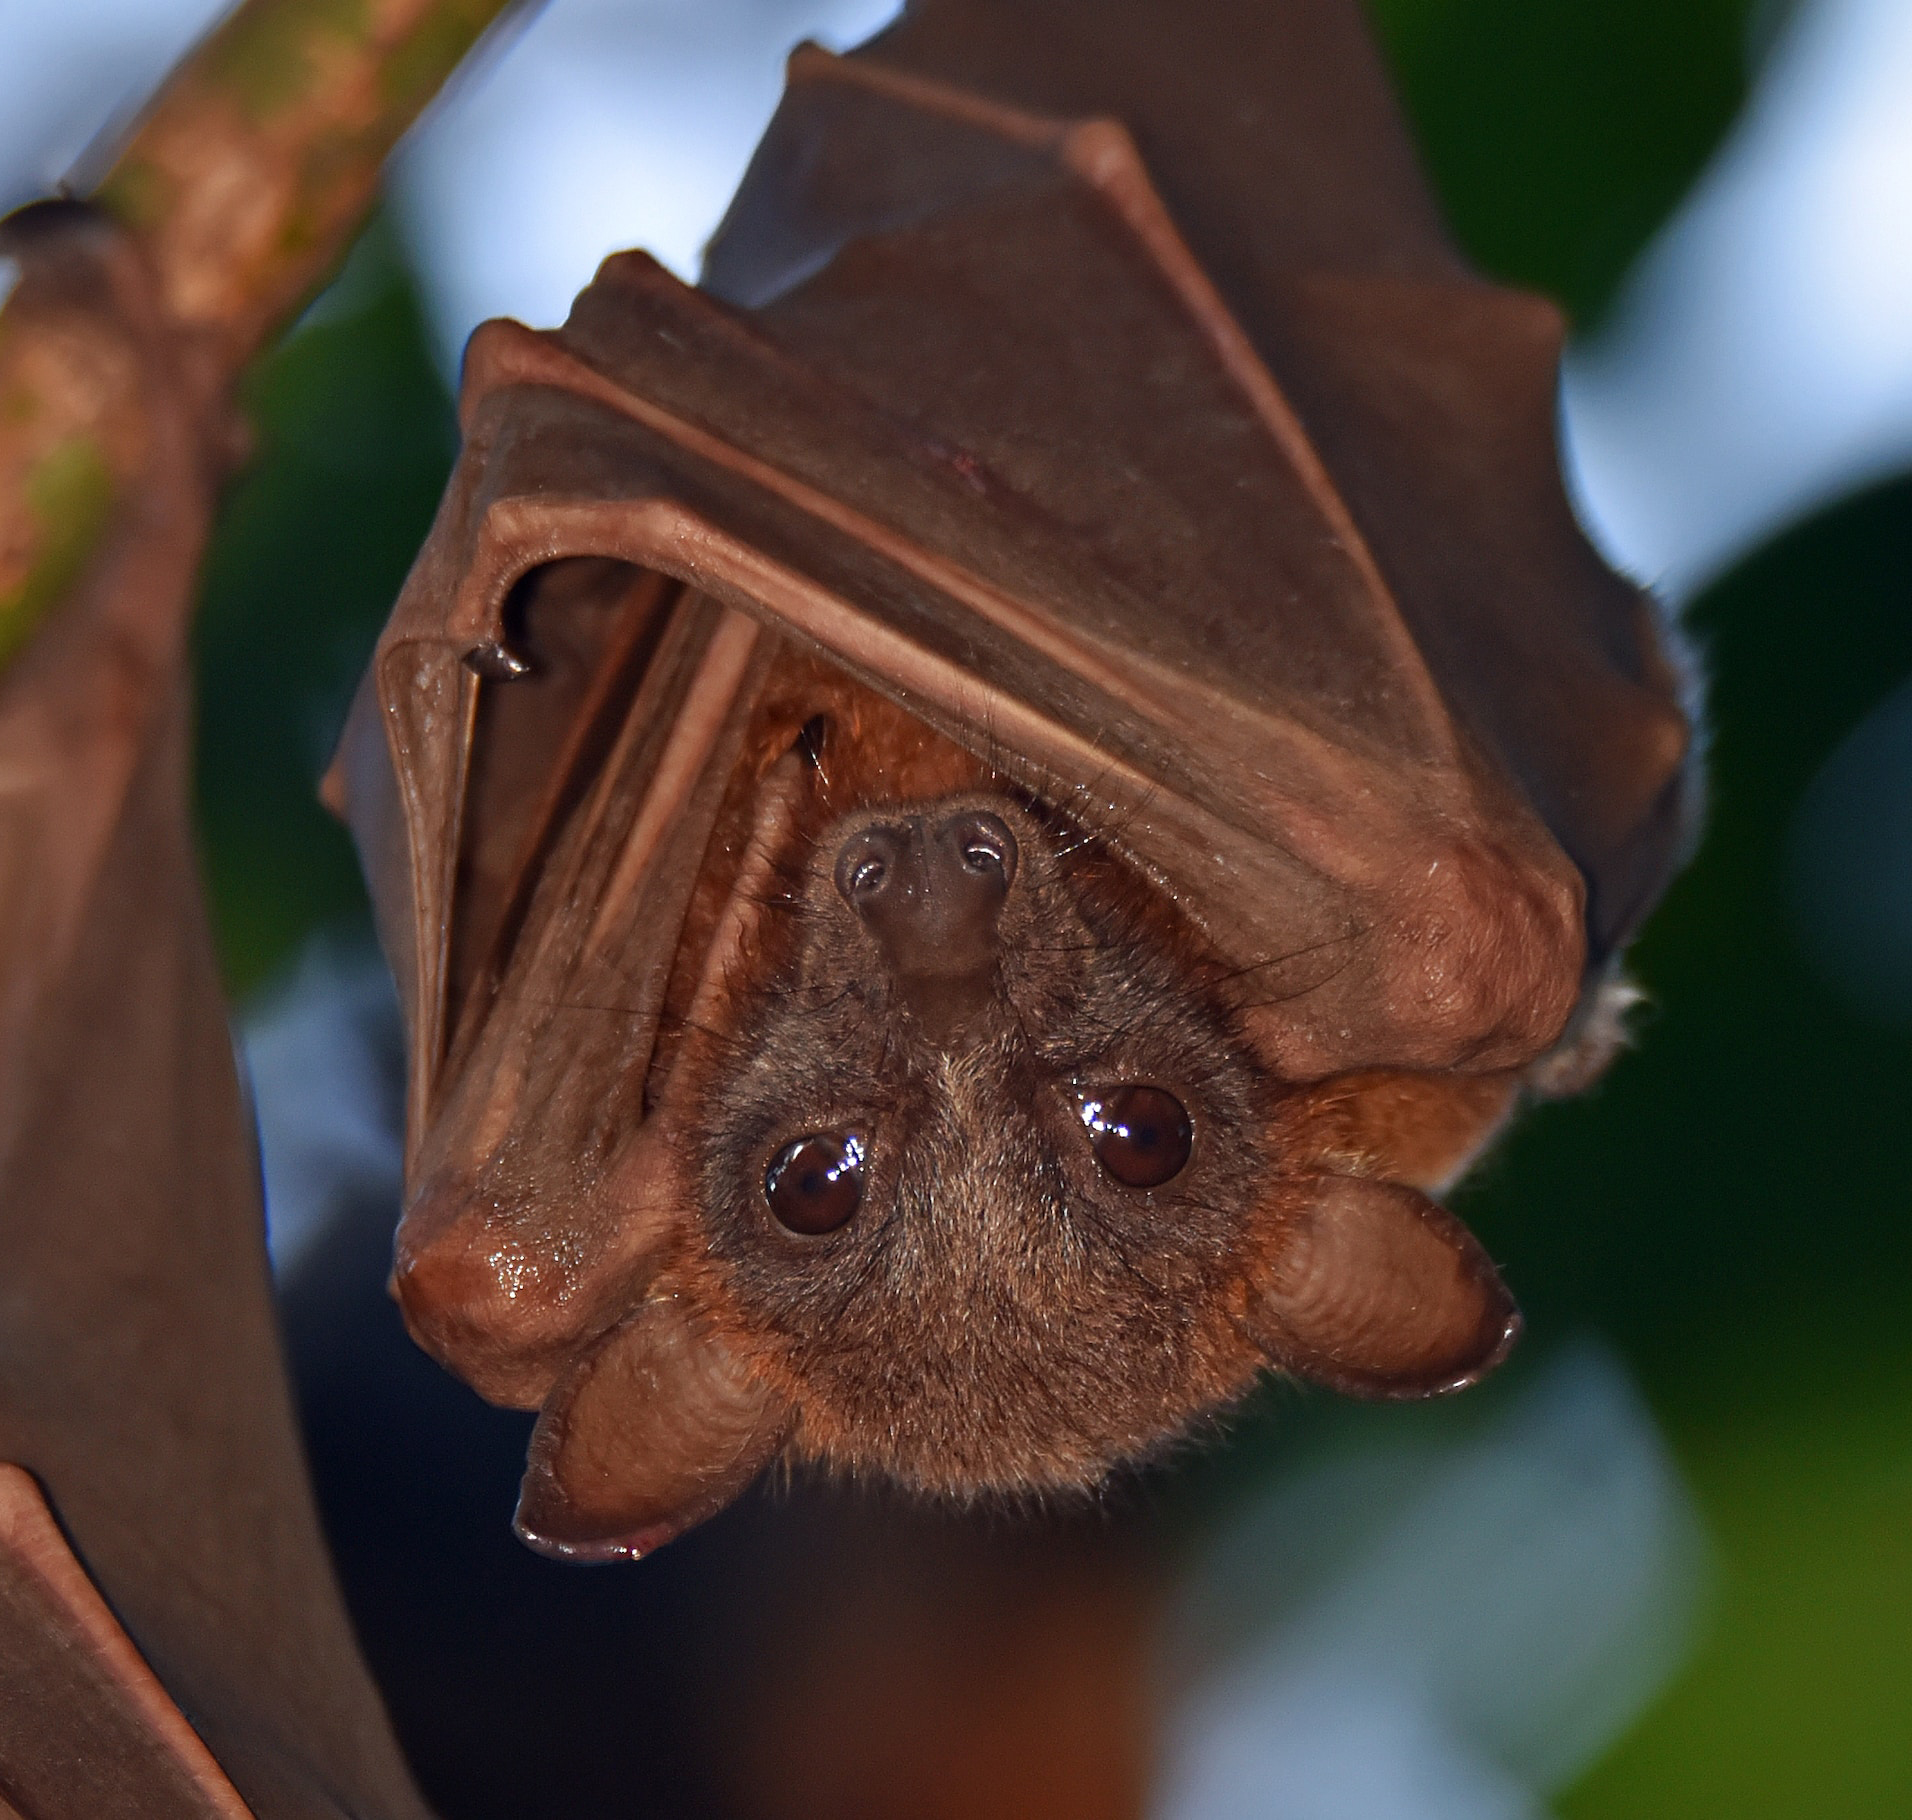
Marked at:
<point>931,889</point>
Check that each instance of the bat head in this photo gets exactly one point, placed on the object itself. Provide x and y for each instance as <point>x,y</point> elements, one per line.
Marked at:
<point>977,1172</point>
<point>959,1166</point>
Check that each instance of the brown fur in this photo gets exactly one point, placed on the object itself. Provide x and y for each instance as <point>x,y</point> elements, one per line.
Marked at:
<point>1422,1129</point>
<point>1359,793</point>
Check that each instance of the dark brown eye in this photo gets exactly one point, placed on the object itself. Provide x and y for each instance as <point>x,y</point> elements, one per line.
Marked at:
<point>1140,1135</point>
<point>816,1184</point>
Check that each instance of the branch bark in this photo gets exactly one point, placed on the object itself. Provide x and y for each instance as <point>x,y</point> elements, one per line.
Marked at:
<point>240,188</point>
<point>141,1379</point>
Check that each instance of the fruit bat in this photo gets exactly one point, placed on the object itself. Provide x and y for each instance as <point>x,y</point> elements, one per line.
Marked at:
<point>973,815</point>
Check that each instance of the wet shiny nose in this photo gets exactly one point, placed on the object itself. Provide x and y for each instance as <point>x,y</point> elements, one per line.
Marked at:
<point>931,890</point>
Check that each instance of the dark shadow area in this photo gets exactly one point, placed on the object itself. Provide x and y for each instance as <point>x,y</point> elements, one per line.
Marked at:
<point>810,1653</point>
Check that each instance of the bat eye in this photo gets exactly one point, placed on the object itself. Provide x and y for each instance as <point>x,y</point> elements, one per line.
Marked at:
<point>1140,1135</point>
<point>816,1184</point>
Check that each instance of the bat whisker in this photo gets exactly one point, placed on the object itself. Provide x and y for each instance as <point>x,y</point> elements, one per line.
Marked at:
<point>533,1003</point>
<point>1286,998</point>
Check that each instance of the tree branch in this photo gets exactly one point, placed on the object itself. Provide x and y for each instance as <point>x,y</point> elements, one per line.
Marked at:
<point>241,188</point>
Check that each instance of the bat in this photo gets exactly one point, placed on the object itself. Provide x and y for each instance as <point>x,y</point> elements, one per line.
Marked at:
<point>976,815</point>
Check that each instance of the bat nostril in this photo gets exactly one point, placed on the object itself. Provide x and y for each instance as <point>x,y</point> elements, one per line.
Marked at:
<point>867,865</point>
<point>926,883</point>
<point>930,889</point>
<point>983,843</point>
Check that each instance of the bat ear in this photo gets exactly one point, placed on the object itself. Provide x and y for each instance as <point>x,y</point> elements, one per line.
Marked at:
<point>1377,1291</point>
<point>656,1428</point>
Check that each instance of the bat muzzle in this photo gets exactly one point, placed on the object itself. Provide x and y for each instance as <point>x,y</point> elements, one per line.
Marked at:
<point>931,889</point>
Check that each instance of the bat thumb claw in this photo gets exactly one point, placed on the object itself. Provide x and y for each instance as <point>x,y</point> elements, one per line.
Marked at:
<point>632,1547</point>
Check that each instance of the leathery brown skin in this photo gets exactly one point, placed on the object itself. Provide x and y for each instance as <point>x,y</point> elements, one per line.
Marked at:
<point>999,1316</point>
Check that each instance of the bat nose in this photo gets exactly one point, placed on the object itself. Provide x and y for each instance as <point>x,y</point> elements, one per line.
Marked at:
<point>931,889</point>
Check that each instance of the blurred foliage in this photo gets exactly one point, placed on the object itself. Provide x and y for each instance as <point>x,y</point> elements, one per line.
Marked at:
<point>1748,1170</point>
<point>1732,1207</point>
<point>355,438</point>
<point>1798,1446</point>
<point>1559,133</point>
<point>1735,1206</point>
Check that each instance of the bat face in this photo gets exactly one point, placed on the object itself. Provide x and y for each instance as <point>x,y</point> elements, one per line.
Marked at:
<point>978,1168</point>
